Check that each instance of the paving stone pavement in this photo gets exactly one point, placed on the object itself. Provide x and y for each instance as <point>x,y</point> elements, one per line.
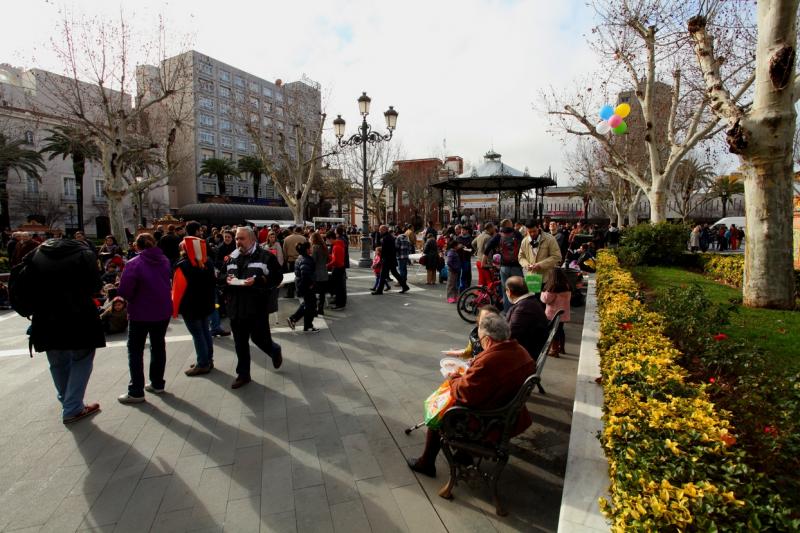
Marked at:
<point>316,446</point>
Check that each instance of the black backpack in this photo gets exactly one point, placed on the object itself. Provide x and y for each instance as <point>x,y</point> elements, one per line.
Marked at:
<point>22,286</point>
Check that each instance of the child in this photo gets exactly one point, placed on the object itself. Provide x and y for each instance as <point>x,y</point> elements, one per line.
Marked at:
<point>557,296</point>
<point>112,275</point>
<point>304,282</point>
<point>377,266</point>
<point>453,262</point>
<point>115,317</point>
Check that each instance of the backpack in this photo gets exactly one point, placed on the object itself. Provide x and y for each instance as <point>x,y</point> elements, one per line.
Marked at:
<point>22,287</point>
<point>509,249</point>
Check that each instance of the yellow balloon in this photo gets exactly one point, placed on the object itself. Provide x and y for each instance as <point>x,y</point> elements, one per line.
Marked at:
<point>623,110</point>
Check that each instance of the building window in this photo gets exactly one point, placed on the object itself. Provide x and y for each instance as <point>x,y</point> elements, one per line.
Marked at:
<point>279,96</point>
<point>266,122</point>
<point>224,124</point>
<point>227,155</point>
<point>279,124</point>
<point>253,118</point>
<point>268,107</point>
<point>206,68</point>
<point>254,102</point>
<point>254,88</point>
<point>253,148</point>
<point>238,81</point>
<point>625,99</point>
<point>224,109</point>
<point>206,137</point>
<point>279,111</point>
<point>205,153</point>
<point>29,137</point>
<point>241,145</point>
<point>224,92</point>
<point>225,141</point>
<point>239,96</point>
<point>209,187</point>
<point>224,75</point>
<point>69,187</point>
<point>206,120</point>
<point>206,103</point>
<point>32,185</point>
<point>206,86</point>
<point>99,188</point>
<point>266,91</point>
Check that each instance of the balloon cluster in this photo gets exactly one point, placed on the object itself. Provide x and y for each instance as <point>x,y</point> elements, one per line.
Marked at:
<point>613,119</point>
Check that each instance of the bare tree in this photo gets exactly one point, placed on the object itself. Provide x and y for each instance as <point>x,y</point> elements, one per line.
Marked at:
<point>762,136</point>
<point>99,91</point>
<point>640,40</point>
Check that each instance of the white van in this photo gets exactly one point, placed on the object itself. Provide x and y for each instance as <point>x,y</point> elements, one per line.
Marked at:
<point>727,221</point>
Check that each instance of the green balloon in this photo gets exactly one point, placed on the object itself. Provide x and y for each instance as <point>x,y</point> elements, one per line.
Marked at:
<point>622,128</point>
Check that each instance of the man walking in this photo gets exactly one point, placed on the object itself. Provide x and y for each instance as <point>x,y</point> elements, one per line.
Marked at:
<point>290,253</point>
<point>389,257</point>
<point>403,250</point>
<point>65,322</point>
<point>539,252</point>
<point>249,274</point>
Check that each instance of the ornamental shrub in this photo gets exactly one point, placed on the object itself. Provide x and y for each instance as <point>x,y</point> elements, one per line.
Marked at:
<point>728,269</point>
<point>653,244</point>
<point>673,460</point>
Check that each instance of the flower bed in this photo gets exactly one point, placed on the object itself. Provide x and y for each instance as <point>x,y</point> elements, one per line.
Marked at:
<point>729,269</point>
<point>673,460</point>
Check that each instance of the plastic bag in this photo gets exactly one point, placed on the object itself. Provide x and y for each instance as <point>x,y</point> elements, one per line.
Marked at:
<point>437,404</point>
<point>534,282</point>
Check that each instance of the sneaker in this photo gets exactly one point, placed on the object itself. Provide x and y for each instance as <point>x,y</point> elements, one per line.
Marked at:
<point>291,323</point>
<point>127,399</point>
<point>311,330</point>
<point>405,289</point>
<point>277,357</point>
<point>210,365</point>
<point>88,410</point>
<point>451,300</point>
<point>221,333</point>
<point>198,370</point>
<point>375,293</point>
<point>240,381</point>
<point>149,388</point>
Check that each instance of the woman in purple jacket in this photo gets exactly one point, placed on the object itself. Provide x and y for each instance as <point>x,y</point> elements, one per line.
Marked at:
<point>145,284</point>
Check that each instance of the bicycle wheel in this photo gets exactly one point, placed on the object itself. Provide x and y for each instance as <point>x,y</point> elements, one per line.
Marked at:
<point>470,302</point>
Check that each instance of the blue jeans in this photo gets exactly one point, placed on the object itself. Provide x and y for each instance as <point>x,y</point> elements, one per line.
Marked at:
<point>201,335</point>
<point>465,281</point>
<point>137,334</point>
<point>402,267</point>
<point>505,273</point>
<point>71,370</point>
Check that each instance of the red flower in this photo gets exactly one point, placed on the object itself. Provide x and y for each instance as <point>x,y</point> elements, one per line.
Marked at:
<point>626,326</point>
<point>720,337</point>
<point>712,380</point>
<point>770,430</point>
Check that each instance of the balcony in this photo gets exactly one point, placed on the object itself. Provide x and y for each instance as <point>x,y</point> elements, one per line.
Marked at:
<point>69,198</point>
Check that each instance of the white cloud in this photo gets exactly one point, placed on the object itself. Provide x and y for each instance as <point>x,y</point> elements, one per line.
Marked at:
<point>468,71</point>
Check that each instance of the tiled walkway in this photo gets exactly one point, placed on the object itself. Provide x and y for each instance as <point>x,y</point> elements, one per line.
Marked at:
<point>316,446</point>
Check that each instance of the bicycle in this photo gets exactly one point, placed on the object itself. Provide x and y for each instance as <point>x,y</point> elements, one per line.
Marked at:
<point>473,298</point>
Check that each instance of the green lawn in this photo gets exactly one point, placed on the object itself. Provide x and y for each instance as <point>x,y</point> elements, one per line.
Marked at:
<point>776,332</point>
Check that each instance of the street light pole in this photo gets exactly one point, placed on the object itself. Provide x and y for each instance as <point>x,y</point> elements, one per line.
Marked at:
<point>364,136</point>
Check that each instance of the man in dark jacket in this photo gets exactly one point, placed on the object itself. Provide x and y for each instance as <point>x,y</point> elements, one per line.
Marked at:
<point>170,245</point>
<point>249,274</point>
<point>65,321</point>
<point>526,317</point>
<point>389,257</point>
<point>304,282</point>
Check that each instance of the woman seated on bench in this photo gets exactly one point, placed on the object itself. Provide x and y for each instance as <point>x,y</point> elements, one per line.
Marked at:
<point>492,380</point>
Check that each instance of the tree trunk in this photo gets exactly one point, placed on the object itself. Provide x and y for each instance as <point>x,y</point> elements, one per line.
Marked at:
<point>768,269</point>
<point>256,184</point>
<point>633,209</point>
<point>116,191</point>
<point>5,220</point>
<point>657,196</point>
<point>221,185</point>
<point>724,201</point>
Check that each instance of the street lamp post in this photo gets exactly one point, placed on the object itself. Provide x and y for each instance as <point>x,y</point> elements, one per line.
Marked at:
<point>364,136</point>
<point>140,197</point>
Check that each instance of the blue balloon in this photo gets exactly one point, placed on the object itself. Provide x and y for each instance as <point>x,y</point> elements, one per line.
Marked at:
<point>606,112</point>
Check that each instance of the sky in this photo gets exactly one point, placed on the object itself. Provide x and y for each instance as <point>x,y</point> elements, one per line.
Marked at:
<point>468,73</point>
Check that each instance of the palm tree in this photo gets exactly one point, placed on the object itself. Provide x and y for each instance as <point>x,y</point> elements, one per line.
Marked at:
<point>219,168</point>
<point>255,167</point>
<point>68,141</point>
<point>14,157</point>
<point>725,187</point>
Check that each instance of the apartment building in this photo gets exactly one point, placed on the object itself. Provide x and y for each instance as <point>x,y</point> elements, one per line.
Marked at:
<point>27,110</point>
<point>225,105</point>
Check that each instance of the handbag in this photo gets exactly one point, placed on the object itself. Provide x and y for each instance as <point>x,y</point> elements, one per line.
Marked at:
<point>422,260</point>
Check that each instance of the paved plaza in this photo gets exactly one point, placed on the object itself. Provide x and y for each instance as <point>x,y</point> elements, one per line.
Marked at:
<point>317,446</point>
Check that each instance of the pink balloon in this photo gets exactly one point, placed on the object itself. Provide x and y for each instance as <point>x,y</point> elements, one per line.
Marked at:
<point>615,121</point>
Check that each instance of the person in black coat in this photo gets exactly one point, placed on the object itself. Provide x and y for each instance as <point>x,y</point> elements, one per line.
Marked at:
<point>389,257</point>
<point>304,270</point>
<point>250,274</point>
<point>65,322</point>
<point>526,317</point>
<point>194,297</point>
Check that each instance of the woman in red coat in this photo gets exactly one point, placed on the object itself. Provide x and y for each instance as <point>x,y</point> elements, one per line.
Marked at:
<point>491,381</point>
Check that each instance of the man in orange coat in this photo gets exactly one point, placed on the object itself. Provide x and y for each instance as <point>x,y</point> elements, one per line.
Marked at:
<point>492,380</point>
